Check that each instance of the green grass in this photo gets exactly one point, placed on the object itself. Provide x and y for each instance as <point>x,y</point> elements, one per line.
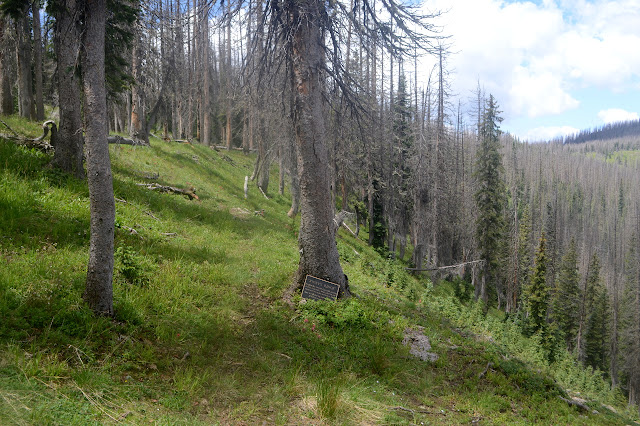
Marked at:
<point>201,334</point>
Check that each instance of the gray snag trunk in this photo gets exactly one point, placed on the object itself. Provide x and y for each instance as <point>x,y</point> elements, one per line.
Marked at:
<point>6,99</point>
<point>99,286</point>
<point>138,128</point>
<point>23,58</point>
<point>37,60</point>
<point>68,144</point>
<point>318,251</point>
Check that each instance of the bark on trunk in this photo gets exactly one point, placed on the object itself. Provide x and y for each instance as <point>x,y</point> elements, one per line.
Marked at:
<point>318,250</point>
<point>206,93</point>
<point>23,56</point>
<point>99,286</point>
<point>37,60</point>
<point>68,154</point>
<point>6,99</point>
<point>138,128</point>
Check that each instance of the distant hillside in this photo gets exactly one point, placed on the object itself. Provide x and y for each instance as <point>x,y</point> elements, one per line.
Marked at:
<point>606,132</point>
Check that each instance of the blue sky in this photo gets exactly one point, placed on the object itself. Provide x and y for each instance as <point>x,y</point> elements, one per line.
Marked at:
<point>555,66</point>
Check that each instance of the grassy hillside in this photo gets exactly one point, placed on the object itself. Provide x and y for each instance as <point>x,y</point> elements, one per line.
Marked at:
<point>201,334</point>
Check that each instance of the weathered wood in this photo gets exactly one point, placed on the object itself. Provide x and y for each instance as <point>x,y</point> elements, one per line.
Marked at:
<point>445,267</point>
<point>38,143</point>
<point>119,140</point>
<point>191,192</point>
<point>574,403</point>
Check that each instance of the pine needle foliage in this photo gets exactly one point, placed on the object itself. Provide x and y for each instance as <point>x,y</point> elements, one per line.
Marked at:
<point>490,194</point>
<point>537,293</point>
<point>567,297</point>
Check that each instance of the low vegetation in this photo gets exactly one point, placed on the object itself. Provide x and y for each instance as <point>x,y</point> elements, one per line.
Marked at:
<point>201,334</point>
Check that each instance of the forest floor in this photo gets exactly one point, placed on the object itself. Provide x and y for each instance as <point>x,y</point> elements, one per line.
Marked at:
<point>201,334</point>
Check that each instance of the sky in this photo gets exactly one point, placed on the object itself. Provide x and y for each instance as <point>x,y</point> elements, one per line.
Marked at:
<point>555,67</point>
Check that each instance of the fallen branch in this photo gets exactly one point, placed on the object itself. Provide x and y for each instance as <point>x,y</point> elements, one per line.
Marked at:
<point>38,143</point>
<point>574,403</point>
<point>409,410</point>
<point>265,195</point>
<point>10,129</point>
<point>349,229</point>
<point>485,371</point>
<point>151,214</point>
<point>445,267</point>
<point>191,192</point>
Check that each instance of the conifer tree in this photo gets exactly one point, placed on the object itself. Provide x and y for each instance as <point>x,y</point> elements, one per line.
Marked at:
<point>630,323</point>
<point>490,197</point>
<point>566,301</point>
<point>597,318</point>
<point>536,293</point>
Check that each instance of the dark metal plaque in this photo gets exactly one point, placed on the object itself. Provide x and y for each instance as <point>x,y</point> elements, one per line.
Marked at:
<point>318,289</point>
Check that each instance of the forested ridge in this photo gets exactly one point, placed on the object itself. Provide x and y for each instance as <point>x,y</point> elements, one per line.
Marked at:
<point>322,99</point>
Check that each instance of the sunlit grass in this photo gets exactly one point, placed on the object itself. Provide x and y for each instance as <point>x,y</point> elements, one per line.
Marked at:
<point>201,334</point>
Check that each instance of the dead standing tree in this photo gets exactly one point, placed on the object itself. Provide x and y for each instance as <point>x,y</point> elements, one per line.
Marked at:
<point>303,27</point>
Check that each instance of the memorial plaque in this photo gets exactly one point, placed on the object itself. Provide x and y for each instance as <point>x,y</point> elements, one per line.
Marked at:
<point>318,289</point>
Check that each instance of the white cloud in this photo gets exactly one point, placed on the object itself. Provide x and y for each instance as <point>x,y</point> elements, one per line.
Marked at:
<point>615,115</point>
<point>539,94</point>
<point>543,134</point>
<point>534,57</point>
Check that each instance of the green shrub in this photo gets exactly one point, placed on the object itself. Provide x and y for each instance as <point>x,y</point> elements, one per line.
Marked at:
<point>344,313</point>
<point>131,266</point>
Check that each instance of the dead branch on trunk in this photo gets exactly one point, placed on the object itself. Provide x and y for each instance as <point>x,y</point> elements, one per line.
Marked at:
<point>191,192</point>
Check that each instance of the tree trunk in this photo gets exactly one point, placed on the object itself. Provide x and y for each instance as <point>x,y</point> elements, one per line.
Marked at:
<point>6,99</point>
<point>68,154</point>
<point>318,250</point>
<point>37,58</point>
<point>23,55</point>
<point>99,286</point>
<point>138,128</point>
<point>206,92</point>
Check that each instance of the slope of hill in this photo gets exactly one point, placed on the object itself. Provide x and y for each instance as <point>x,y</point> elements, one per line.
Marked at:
<point>625,129</point>
<point>202,336</point>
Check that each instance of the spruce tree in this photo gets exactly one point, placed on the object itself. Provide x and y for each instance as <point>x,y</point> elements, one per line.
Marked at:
<point>567,297</point>
<point>490,197</point>
<point>536,293</point>
<point>630,323</point>
<point>597,319</point>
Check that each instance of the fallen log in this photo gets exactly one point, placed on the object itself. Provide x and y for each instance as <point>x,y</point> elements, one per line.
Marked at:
<point>38,143</point>
<point>191,192</point>
<point>119,140</point>
<point>573,403</point>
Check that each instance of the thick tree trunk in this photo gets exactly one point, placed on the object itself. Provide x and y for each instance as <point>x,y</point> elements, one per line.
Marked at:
<point>68,154</point>
<point>23,56</point>
<point>318,250</point>
<point>37,60</point>
<point>6,99</point>
<point>99,286</point>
